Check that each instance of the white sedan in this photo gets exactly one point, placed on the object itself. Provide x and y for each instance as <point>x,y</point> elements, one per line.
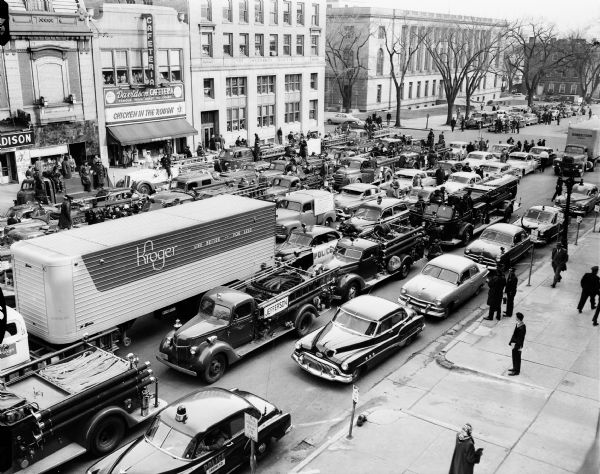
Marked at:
<point>459,180</point>
<point>476,158</point>
<point>340,117</point>
<point>522,161</point>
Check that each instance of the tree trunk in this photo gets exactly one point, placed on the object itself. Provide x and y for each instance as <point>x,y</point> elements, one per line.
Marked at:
<point>449,114</point>
<point>398,104</point>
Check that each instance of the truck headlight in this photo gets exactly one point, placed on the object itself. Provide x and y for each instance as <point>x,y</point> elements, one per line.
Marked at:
<point>193,350</point>
<point>168,341</point>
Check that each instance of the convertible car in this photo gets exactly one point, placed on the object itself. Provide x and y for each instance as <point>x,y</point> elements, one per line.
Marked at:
<point>363,331</point>
<point>201,432</point>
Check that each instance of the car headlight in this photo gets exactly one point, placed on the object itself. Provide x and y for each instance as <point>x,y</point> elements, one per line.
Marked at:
<point>193,350</point>
<point>168,341</point>
<point>345,366</point>
<point>298,345</point>
<point>467,251</point>
<point>579,205</point>
<point>437,302</point>
<point>403,291</point>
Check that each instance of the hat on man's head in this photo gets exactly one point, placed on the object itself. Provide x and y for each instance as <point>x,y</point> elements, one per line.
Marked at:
<point>595,268</point>
<point>520,316</point>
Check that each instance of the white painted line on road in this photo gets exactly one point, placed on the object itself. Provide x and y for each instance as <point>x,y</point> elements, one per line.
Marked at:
<point>314,423</point>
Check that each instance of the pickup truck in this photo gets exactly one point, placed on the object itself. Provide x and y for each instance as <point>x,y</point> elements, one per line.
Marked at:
<point>365,169</point>
<point>387,251</point>
<point>232,322</point>
<point>306,207</point>
<point>353,195</point>
<point>307,246</point>
<point>368,214</point>
<point>184,187</point>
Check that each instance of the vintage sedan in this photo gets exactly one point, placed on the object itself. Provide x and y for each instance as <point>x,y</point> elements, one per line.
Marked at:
<point>498,148</point>
<point>368,214</point>
<point>201,432</point>
<point>364,330</point>
<point>545,220</point>
<point>497,169</point>
<point>460,180</point>
<point>308,246</point>
<point>353,195</point>
<point>537,151</point>
<point>444,283</point>
<point>477,158</point>
<point>500,245</point>
<point>411,178</point>
<point>524,162</point>
<point>583,199</point>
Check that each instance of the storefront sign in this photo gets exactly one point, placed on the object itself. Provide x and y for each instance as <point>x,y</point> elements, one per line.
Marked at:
<point>117,97</point>
<point>137,113</point>
<point>10,140</point>
<point>151,47</point>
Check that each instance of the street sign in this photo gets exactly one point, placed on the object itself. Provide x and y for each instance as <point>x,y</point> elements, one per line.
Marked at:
<point>579,219</point>
<point>354,393</point>
<point>251,427</point>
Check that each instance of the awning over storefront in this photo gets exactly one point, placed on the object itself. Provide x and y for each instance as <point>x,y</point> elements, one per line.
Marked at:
<point>134,133</point>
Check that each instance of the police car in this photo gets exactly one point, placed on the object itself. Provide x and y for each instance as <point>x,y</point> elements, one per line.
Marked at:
<point>308,246</point>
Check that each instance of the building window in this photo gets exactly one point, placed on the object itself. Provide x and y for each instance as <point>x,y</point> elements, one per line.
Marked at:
<point>265,116</point>
<point>426,94</point>
<point>209,88</point>
<point>287,45</point>
<point>314,45</point>
<point>243,11</point>
<point>379,69</point>
<point>169,65</point>
<point>235,86</point>
<point>259,12</point>
<point>410,90</point>
<point>259,45</point>
<point>228,44</point>
<point>265,84</point>
<point>287,13</point>
<point>227,11</point>
<point>244,44</point>
<point>379,89</point>
<point>236,119</point>
<point>312,109</point>
<point>121,67</point>
<point>206,10</point>
<point>108,72</point>
<point>573,88</point>
<point>300,45</point>
<point>292,112</point>
<point>273,47</point>
<point>207,44</point>
<point>418,89</point>
<point>381,32</point>
<point>561,89</point>
<point>314,81</point>
<point>137,68</point>
<point>293,82</point>
<point>433,87</point>
<point>274,13</point>
<point>300,13</point>
<point>314,20</point>
<point>551,87</point>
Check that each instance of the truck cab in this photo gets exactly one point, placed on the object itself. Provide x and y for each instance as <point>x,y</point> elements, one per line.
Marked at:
<point>359,169</point>
<point>27,192</point>
<point>307,207</point>
<point>14,346</point>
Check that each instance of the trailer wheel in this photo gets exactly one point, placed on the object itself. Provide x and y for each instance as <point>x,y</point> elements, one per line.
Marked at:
<point>215,368</point>
<point>352,290</point>
<point>106,435</point>
<point>303,322</point>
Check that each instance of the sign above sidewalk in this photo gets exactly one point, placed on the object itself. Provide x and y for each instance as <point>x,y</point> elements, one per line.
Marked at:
<point>14,139</point>
<point>116,97</point>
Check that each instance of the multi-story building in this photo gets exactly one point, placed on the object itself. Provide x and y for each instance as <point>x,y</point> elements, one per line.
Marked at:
<point>374,88</point>
<point>47,86</point>
<point>141,56</point>
<point>257,66</point>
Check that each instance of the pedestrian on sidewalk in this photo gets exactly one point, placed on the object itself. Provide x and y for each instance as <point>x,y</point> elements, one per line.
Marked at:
<point>452,123</point>
<point>465,455</point>
<point>511,290</point>
<point>496,283</point>
<point>558,188</point>
<point>462,124</point>
<point>518,339</point>
<point>590,286</point>
<point>388,117</point>
<point>560,257</point>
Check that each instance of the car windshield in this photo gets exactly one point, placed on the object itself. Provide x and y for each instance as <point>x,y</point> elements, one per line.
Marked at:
<point>442,212</point>
<point>351,192</point>
<point>354,323</point>
<point>290,205</point>
<point>299,239</point>
<point>517,158</point>
<point>493,235</point>
<point>537,151</point>
<point>283,182</point>
<point>408,177</point>
<point>459,179</point>
<point>579,189</point>
<point>167,438</point>
<point>367,213</point>
<point>440,273</point>
<point>539,215</point>
<point>215,313</point>
<point>489,167</point>
<point>475,156</point>
<point>347,252</point>
<point>499,147</point>
<point>179,185</point>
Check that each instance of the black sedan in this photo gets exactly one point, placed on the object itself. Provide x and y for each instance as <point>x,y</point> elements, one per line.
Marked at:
<point>500,245</point>
<point>543,223</point>
<point>364,330</point>
<point>201,432</point>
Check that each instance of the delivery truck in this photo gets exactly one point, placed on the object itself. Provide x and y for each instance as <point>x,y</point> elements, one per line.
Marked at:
<point>584,139</point>
<point>88,280</point>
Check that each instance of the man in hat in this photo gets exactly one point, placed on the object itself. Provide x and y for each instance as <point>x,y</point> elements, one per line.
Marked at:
<point>518,338</point>
<point>560,257</point>
<point>511,291</point>
<point>590,285</point>
<point>496,283</point>
<point>465,455</point>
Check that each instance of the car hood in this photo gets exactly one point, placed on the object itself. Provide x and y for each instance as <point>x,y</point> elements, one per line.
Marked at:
<point>486,248</point>
<point>336,261</point>
<point>516,164</point>
<point>195,328</point>
<point>428,288</point>
<point>575,197</point>
<point>531,224</point>
<point>346,201</point>
<point>286,249</point>
<point>452,187</point>
<point>141,457</point>
<point>359,223</point>
<point>337,344</point>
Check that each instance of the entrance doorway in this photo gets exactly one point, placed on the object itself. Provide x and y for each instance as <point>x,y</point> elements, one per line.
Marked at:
<point>78,152</point>
<point>210,127</point>
<point>8,167</point>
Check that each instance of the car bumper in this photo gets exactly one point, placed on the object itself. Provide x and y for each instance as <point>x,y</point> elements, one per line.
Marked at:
<point>320,368</point>
<point>488,262</point>
<point>423,307</point>
<point>164,358</point>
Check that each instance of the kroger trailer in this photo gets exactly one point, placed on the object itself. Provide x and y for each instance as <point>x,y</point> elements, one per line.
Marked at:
<point>83,281</point>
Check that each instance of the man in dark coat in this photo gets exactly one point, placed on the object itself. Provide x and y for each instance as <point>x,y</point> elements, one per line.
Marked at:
<point>66,168</point>
<point>165,161</point>
<point>465,455</point>
<point>65,221</point>
<point>496,283</point>
<point>99,173</point>
<point>518,338</point>
<point>279,136</point>
<point>560,257</point>
<point>430,138</point>
<point>590,285</point>
<point>511,290</point>
<point>452,123</point>
<point>84,175</point>
<point>558,189</point>
<point>440,176</point>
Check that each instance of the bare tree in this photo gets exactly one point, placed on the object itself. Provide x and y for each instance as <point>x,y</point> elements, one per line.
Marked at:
<point>401,49</point>
<point>512,61</point>
<point>456,52</point>
<point>540,50</point>
<point>345,56</point>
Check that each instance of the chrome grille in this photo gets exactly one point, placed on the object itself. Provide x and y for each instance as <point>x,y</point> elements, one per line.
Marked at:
<point>280,230</point>
<point>487,261</point>
<point>182,352</point>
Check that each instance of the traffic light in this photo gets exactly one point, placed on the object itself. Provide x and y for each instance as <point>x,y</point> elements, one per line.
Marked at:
<point>4,23</point>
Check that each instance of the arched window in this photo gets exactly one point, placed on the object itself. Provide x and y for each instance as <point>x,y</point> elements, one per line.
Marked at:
<point>379,70</point>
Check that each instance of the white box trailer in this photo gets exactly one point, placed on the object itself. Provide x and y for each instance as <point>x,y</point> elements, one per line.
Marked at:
<point>94,278</point>
<point>585,136</point>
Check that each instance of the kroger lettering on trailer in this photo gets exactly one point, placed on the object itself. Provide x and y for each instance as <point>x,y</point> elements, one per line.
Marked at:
<point>155,258</point>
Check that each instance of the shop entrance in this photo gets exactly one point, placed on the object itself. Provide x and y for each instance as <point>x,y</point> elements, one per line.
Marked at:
<point>78,152</point>
<point>8,166</point>
<point>209,126</point>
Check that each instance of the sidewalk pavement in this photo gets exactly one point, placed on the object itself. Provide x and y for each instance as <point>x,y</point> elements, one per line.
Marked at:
<point>543,421</point>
